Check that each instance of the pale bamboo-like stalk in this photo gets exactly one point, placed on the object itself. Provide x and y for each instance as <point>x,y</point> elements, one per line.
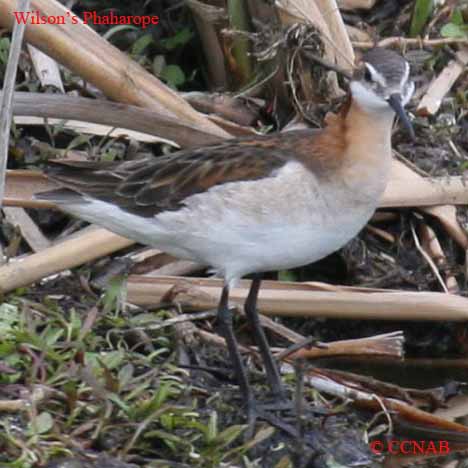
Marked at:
<point>67,254</point>
<point>432,100</point>
<point>304,299</point>
<point>46,69</point>
<point>405,184</point>
<point>401,41</point>
<point>336,26</point>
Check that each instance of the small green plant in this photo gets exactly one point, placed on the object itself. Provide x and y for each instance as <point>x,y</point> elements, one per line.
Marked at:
<point>4,50</point>
<point>421,14</point>
<point>457,28</point>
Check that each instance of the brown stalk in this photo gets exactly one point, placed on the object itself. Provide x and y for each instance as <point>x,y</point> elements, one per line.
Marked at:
<point>22,185</point>
<point>114,114</point>
<point>389,345</point>
<point>206,17</point>
<point>223,105</point>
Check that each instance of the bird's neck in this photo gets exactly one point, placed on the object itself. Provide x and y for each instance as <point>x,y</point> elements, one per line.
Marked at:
<point>368,131</point>
<point>365,138</point>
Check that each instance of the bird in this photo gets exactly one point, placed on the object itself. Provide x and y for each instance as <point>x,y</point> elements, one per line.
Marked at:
<point>254,204</point>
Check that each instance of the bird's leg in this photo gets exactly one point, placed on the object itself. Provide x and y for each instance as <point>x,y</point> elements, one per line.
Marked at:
<point>225,322</point>
<point>253,319</point>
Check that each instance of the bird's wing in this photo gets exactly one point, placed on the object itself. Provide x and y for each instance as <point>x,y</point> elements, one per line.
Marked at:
<point>149,186</point>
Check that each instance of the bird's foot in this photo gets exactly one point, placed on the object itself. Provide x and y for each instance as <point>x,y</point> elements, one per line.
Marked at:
<point>269,411</point>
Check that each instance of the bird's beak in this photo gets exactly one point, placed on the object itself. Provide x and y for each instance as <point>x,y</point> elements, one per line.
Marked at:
<point>395,103</point>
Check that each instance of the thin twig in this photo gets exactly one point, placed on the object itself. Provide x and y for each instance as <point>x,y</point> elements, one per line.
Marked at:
<point>308,342</point>
<point>299,403</point>
<point>410,42</point>
<point>385,412</point>
<point>178,319</point>
<point>8,91</point>
<point>428,259</point>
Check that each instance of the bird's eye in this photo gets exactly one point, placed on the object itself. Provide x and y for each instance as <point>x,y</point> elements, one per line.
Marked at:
<point>368,75</point>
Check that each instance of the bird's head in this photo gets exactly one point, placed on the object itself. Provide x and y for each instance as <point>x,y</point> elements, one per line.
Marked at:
<point>382,83</point>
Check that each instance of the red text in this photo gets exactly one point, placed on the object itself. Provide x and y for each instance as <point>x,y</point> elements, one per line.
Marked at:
<point>35,17</point>
<point>410,447</point>
<point>140,20</point>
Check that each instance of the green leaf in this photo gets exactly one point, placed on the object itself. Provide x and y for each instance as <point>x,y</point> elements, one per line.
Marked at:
<point>112,359</point>
<point>421,14</point>
<point>212,427</point>
<point>42,424</point>
<point>171,440</point>
<point>159,62</point>
<point>453,30</point>
<point>51,336</point>
<point>4,49</point>
<point>164,392</point>
<point>115,291</point>
<point>457,17</point>
<point>125,375</point>
<point>173,75</point>
<point>9,317</point>
<point>119,402</point>
<point>229,435</point>
<point>141,44</point>
<point>287,275</point>
<point>180,39</point>
<point>261,436</point>
<point>79,140</point>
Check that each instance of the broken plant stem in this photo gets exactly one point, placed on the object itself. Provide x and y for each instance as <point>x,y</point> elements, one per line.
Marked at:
<point>428,259</point>
<point>8,92</point>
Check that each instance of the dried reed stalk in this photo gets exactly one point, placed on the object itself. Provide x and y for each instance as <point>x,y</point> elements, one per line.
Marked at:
<point>303,299</point>
<point>113,114</point>
<point>67,254</point>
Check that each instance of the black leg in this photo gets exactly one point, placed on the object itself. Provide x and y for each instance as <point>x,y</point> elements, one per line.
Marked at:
<point>225,322</point>
<point>271,368</point>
